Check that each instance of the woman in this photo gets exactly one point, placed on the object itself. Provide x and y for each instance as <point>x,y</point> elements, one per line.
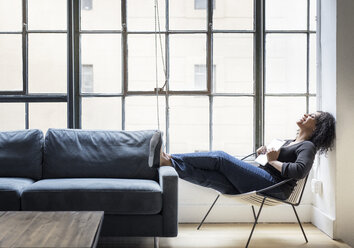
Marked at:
<point>229,175</point>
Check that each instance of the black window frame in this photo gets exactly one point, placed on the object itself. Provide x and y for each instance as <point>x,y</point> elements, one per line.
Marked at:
<point>73,96</point>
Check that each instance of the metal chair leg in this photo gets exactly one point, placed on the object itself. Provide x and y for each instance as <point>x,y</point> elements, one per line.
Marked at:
<point>255,222</point>
<point>298,220</point>
<point>254,212</point>
<point>156,242</point>
<point>201,223</point>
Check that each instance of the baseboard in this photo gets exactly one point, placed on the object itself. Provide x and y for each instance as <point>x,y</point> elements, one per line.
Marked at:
<point>242,213</point>
<point>322,221</point>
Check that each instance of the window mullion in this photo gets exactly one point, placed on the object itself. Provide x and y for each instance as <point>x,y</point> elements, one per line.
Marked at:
<point>259,72</point>
<point>308,59</point>
<point>124,59</point>
<point>167,64</point>
<point>209,63</point>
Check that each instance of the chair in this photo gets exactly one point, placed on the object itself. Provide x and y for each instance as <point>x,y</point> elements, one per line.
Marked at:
<point>260,199</point>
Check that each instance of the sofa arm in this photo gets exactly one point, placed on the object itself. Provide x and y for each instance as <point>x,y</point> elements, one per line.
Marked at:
<point>168,179</point>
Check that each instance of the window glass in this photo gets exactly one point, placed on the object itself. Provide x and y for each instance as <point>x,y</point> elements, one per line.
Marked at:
<point>47,63</point>
<point>105,60</point>
<point>313,15</point>
<point>202,4</point>
<point>87,79</point>
<point>10,62</point>
<point>101,15</point>
<point>286,14</point>
<point>141,113</point>
<point>47,115</point>
<point>142,62</point>
<point>10,15</point>
<point>312,104</point>
<point>286,63</point>
<point>101,113</point>
<point>186,51</point>
<point>47,15</point>
<point>313,64</point>
<point>141,15</point>
<point>189,124</point>
<point>233,15</point>
<point>233,55</point>
<point>233,125</point>
<point>184,16</point>
<point>86,4</point>
<point>12,116</point>
<point>281,114</point>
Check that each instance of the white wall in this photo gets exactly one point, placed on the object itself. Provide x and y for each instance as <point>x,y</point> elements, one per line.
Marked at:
<point>333,210</point>
<point>323,214</point>
<point>344,224</point>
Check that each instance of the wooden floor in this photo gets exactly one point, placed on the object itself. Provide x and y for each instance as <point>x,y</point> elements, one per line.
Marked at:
<point>234,235</point>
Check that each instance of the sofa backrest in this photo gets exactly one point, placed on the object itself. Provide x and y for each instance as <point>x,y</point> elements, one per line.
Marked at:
<point>75,153</point>
<point>21,153</point>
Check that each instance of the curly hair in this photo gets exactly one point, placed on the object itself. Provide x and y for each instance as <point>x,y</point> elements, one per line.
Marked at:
<point>324,133</point>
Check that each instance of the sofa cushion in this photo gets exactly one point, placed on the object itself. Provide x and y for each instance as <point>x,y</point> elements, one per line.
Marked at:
<point>121,196</point>
<point>70,153</point>
<point>21,153</point>
<point>10,192</point>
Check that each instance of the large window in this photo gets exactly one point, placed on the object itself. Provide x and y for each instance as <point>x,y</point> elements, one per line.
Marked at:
<point>239,72</point>
<point>33,64</point>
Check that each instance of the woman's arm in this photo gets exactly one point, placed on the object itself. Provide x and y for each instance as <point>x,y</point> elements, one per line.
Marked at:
<point>272,156</point>
<point>298,169</point>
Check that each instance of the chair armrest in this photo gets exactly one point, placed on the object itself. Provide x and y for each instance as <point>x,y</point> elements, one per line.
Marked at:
<point>168,179</point>
<point>274,186</point>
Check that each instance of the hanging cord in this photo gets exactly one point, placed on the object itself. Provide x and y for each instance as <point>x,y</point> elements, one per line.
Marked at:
<point>157,89</point>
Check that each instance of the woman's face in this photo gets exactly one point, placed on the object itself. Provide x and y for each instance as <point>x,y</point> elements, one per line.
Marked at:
<point>308,121</point>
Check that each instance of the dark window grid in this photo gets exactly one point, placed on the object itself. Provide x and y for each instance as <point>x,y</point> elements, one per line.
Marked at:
<point>258,31</point>
<point>308,32</point>
<point>23,95</point>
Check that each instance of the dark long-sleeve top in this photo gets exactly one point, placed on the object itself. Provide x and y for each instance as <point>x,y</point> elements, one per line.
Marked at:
<point>297,161</point>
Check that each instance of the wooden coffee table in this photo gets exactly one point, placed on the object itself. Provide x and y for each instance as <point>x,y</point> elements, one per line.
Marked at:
<point>50,229</point>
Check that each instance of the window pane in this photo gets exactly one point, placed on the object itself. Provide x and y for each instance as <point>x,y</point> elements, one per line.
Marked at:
<point>312,104</point>
<point>286,63</point>
<point>186,51</point>
<point>101,113</point>
<point>281,114</point>
<point>87,78</point>
<point>142,64</point>
<point>313,64</point>
<point>141,15</point>
<point>233,14</point>
<point>105,61</point>
<point>286,14</point>
<point>231,133</point>
<point>47,115</point>
<point>184,15</point>
<point>313,14</point>
<point>189,124</point>
<point>233,56</point>
<point>101,15</point>
<point>47,66</point>
<point>10,15</point>
<point>141,113</point>
<point>12,116</point>
<point>10,62</point>
<point>47,15</point>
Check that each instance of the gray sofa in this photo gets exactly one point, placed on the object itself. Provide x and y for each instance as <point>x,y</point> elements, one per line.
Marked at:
<point>81,170</point>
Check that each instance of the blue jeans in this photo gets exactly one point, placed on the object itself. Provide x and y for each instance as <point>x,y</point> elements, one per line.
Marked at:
<point>224,173</point>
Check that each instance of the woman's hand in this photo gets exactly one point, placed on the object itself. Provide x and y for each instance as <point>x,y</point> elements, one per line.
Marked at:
<point>261,150</point>
<point>272,154</point>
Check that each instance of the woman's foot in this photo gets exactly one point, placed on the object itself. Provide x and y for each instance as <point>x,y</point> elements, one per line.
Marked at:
<point>165,159</point>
